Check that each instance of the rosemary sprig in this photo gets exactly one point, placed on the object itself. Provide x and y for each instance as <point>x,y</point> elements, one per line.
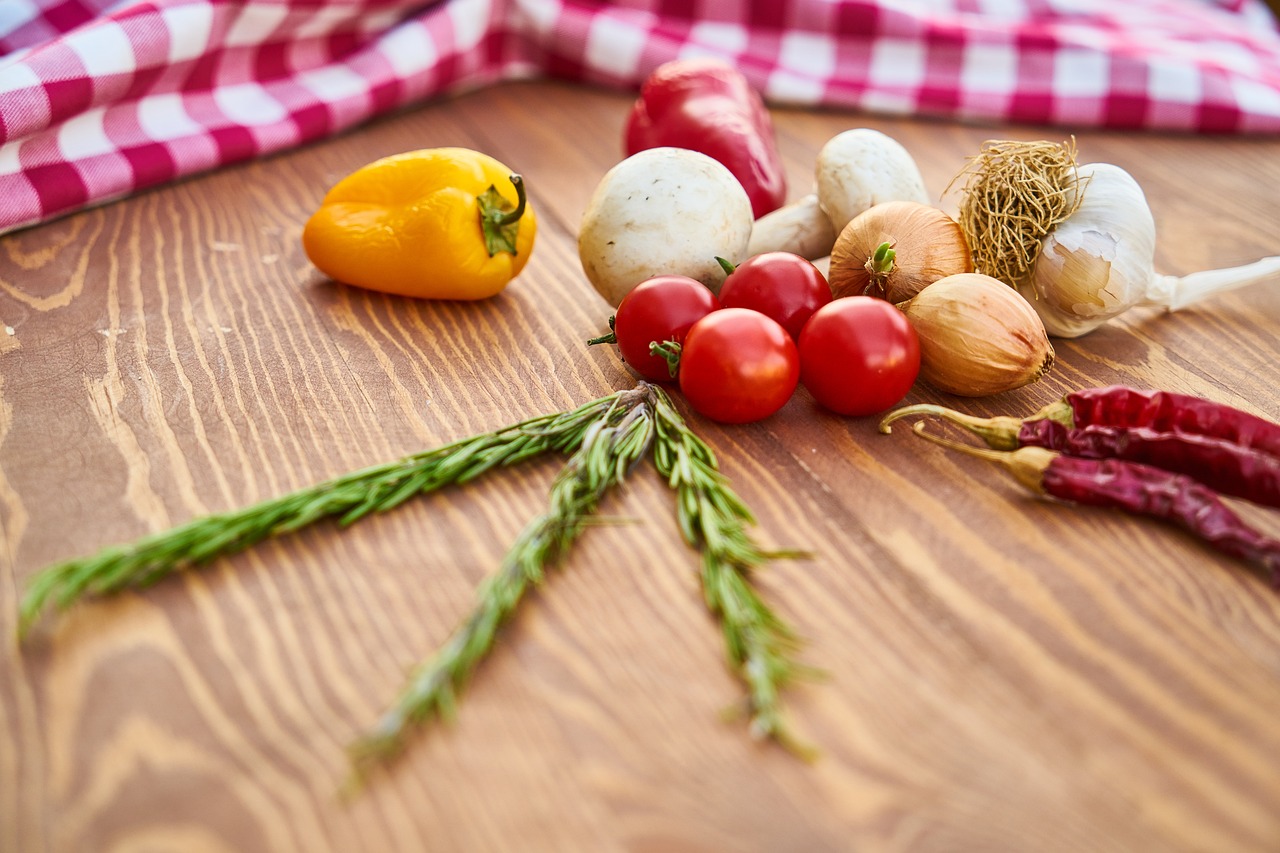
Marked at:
<point>348,498</point>
<point>608,451</point>
<point>761,647</point>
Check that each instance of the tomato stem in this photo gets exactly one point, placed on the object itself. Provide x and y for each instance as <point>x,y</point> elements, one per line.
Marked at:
<point>727,266</point>
<point>611,338</point>
<point>669,350</point>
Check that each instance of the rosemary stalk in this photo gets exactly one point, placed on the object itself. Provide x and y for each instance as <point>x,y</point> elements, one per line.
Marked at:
<point>348,498</point>
<point>608,451</point>
<point>760,646</point>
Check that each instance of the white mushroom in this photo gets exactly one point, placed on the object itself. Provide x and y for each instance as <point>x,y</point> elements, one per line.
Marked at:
<point>855,170</point>
<point>660,211</point>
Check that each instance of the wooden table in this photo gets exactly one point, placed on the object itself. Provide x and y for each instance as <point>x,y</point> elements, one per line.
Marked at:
<point>1002,673</point>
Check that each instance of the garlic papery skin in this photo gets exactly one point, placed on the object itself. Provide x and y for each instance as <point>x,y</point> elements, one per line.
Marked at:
<point>977,336</point>
<point>1100,261</point>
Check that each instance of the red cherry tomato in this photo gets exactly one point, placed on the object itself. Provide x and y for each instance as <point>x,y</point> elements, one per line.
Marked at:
<point>738,366</point>
<point>859,355</point>
<point>782,285</point>
<point>659,309</point>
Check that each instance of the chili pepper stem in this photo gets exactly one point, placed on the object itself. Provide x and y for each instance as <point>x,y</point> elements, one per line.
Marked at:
<point>1026,464</point>
<point>1060,411</point>
<point>1000,433</point>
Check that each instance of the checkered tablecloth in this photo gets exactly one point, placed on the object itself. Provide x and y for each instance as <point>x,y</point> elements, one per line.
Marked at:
<point>101,98</point>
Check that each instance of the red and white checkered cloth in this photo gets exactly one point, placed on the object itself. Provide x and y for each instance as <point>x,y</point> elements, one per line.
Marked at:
<point>101,98</point>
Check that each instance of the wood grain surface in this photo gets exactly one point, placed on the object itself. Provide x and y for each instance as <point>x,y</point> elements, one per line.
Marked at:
<point>1002,673</point>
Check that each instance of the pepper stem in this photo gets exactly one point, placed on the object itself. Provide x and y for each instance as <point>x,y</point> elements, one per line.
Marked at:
<point>499,220</point>
<point>999,432</point>
<point>1026,464</point>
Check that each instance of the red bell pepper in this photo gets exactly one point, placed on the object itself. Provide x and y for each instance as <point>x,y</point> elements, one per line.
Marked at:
<point>707,105</point>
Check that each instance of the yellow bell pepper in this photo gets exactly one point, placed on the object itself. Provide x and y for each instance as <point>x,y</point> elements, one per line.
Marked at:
<point>440,223</point>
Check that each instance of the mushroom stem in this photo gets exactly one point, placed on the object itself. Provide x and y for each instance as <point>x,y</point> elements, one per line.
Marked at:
<point>802,228</point>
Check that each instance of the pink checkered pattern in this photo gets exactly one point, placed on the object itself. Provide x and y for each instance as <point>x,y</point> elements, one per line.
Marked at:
<point>101,98</point>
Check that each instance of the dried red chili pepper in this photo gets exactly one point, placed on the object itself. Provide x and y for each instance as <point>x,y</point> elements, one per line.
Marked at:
<point>1138,489</point>
<point>1227,468</point>
<point>1164,411</point>
<point>706,105</point>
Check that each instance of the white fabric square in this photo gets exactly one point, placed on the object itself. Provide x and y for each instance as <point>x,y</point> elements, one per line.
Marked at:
<point>103,49</point>
<point>1081,74</point>
<point>84,136</point>
<point>470,21</point>
<point>615,46</point>
<point>989,68</point>
<point>164,118</point>
<point>20,76</point>
<point>10,162</point>
<point>15,13</point>
<point>334,83</point>
<point>805,62</point>
<point>255,24</point>
<point>541,15</point>
<point>896,63</point>
<point>1174,81</point>
<point>1004,10</point>
<point>1255,97</point>
<point>408,50</point>
<point>248,104</point>
<point>189,28</point>
<point>717,36</point>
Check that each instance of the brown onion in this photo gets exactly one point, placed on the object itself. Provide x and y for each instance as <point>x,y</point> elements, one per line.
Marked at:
<point>895,249</point>
<point>978,336</point>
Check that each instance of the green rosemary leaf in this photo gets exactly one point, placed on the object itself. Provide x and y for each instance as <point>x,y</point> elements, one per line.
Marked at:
<point>760,647</point>
<point>610,447</point>
<point>347,498</point>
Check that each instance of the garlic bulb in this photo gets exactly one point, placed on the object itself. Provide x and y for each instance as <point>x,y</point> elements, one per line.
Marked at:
<point>978,336</point>
<point>1100,261</point>
<point>895,249</point>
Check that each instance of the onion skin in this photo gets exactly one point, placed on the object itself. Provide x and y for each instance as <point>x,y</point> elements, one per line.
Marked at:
<point>928,245</point>
<point>978,336</point>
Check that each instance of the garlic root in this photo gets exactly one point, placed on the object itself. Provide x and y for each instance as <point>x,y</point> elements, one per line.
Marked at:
<point>1173,292</point>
